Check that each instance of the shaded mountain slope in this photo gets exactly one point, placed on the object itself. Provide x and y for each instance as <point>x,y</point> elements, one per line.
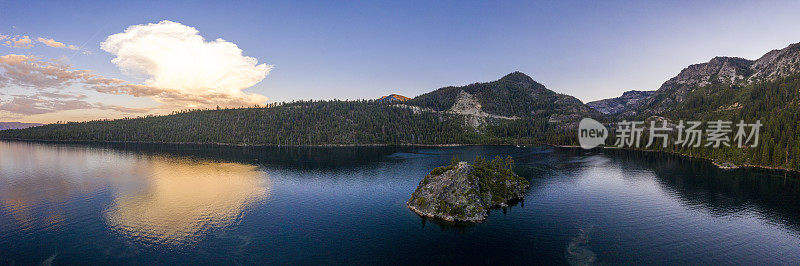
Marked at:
<point>514,95</point>
<point>628,101</point>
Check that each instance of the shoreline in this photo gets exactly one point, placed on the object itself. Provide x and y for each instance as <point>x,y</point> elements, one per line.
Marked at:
<point>262,145</point>
<point>722,166</point>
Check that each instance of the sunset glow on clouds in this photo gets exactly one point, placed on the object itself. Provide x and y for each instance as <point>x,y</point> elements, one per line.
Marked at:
<point>56,44</point>
<point>23,42</point>
<point>175,56</point>
<point>182,70</point>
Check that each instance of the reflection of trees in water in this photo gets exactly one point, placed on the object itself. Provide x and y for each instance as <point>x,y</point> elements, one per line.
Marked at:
<point>287,157</point>
<point>319,158</point>
<point>700,184</point>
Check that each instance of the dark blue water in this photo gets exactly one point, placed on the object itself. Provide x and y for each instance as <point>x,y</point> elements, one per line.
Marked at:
<point>169,204</point>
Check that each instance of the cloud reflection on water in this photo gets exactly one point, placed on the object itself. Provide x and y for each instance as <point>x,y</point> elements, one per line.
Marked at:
<point>154,198</point>
<point>182,199</point>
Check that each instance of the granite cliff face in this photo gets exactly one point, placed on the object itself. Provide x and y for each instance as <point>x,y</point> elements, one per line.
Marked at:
<point>733,71</point>
<point>776,64</point>
<point>474,116</point>
<point>628,100</point>
<point>465,193</point>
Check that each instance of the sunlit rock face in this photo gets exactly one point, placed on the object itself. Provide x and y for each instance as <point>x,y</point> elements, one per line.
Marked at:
<point>182,199</point>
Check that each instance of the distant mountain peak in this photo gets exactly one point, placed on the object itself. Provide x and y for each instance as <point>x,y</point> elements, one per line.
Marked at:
<point>517,76</point>
<point>633,93</point>
<point>513,95</point>
<point>628,100</point>
<point>17,125</point>
<point>733,71</point>
<point>393,98</point>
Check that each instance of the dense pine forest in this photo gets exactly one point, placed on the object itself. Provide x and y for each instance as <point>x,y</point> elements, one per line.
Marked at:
<point>514,95</point>
<point>422,120</point>
<point>425,120</point>
<point>775,103</point>
<point>297,123</point>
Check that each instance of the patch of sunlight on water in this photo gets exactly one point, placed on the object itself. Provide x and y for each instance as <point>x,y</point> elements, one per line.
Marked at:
<point>183,199</point>
<point>155,199</point>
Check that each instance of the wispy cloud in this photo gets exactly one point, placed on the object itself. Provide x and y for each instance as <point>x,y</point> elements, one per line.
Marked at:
<point>27,71</point>
<point>56,44</point>
<point>23,42</point>
<point>26,42</point>
<point>42,103</point>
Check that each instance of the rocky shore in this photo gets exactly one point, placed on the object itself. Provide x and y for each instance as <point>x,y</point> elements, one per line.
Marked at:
<point>463,192</point>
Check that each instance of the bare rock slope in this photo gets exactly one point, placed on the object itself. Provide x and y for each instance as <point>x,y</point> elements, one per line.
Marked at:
<point>628,100</point>
<point>734,71</point>
<point>465,193</point>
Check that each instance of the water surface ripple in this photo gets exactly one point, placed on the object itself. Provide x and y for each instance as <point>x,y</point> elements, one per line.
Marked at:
<point>166,204</point>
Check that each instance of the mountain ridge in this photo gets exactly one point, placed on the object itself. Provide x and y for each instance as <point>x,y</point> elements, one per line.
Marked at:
<point>17,125</point>
<point>433,118</point>
<point>514,109</point>
<point>513,95</point>
<point>393,98</point>
<point>733,71</point>
<point>629,99</point>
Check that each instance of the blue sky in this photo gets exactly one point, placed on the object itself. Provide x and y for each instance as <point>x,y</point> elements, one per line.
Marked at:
<point>365,49</point>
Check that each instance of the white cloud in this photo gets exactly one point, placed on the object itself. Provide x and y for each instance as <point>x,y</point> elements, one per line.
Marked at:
<point>176,57</point>
<point>184,71</point>
<point>28,72</point>
<point>23,42</point>
<point>51,43</point>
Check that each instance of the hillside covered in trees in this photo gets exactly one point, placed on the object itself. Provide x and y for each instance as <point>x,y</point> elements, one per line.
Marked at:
<point>776,104</point>
<point>512,110</point>
<point>735,89</point>
<point>331,123</point>
<point>514,95</point>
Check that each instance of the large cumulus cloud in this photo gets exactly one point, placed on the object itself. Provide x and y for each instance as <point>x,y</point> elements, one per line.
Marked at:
<point>182,69</point>
<point>44,77</point>
<point>176,57</point>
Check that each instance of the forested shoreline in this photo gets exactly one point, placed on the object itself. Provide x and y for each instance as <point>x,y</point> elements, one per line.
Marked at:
<point>427,122</point>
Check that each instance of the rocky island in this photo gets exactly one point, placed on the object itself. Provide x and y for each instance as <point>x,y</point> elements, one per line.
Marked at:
<point>463,192</point>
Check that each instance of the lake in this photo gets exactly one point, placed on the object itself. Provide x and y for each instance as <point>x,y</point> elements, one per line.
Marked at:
<point>186,204</point>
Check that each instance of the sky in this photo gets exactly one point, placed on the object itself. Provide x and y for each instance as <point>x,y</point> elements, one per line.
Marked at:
<point>87,60</point>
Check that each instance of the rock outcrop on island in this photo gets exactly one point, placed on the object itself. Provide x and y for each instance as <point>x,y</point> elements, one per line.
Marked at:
<point>463,192</point>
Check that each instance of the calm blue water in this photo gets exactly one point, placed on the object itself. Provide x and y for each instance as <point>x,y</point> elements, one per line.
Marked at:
<point>168,204</point>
